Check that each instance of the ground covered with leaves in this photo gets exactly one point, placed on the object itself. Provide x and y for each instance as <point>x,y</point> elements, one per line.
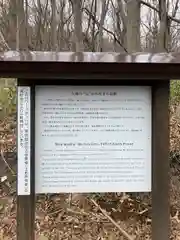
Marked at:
<point>91,216</point>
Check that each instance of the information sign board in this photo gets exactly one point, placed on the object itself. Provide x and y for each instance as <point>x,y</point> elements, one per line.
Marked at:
<point>92,139</point>
<point>23,140</point>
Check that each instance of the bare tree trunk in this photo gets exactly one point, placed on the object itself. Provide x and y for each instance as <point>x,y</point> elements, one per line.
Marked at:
<point>133,26</point>
<point>17,28</point>
<point>38,26</point>
<point>122,33</point>
<point>163,34</point>
<point>105,5</point>
<point>77,4</point>
<point>53,26</point>
<point>155,30</point>
<point>26,23</point>
<point>93,34</point>
<point>60,36</point>
<point>12,24</point>
<point>21,38</point>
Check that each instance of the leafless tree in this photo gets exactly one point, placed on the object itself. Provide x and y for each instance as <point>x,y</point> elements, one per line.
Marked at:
<point>90,25</point>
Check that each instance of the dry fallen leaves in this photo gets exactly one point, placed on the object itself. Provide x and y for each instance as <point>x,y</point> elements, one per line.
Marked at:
<point>63,216</point>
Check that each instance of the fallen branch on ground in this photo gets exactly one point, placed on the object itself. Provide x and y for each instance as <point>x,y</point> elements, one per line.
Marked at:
<point>6,163</point>
<point>122,231</point>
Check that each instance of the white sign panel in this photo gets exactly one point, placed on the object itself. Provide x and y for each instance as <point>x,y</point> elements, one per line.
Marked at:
<point>23,140</point>
<point>93,139</point>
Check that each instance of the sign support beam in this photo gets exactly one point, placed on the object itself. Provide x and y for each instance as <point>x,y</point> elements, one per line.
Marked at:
<point>26,203</point>
<point>160,168</point>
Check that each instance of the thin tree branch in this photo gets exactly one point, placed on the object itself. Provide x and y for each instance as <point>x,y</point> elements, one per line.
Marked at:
<point>175,9</point>
<point>158,11</point>
<point>4,41</point>
<point>106,30</point>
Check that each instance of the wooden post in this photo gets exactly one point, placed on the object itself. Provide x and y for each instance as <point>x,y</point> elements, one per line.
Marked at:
<point>26,203</point>
<point>160,175</point>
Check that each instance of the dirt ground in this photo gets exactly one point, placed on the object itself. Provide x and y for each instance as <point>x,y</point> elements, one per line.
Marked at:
<point>90,216</point>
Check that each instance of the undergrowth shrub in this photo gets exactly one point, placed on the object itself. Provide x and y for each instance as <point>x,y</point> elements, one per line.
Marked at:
<point>175,92</point>
<point>7,97</point>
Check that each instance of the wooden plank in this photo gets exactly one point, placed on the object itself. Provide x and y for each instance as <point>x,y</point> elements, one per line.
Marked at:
<point>160,174</point>
<point>44,70</point>
<point>26,204</point>
<point>25,217</point>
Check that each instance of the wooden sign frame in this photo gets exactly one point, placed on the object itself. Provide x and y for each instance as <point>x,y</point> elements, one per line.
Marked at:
<point>102,72</point>
<point>160,159</point>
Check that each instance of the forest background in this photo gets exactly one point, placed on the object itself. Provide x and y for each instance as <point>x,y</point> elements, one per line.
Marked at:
<point>94,26</point>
